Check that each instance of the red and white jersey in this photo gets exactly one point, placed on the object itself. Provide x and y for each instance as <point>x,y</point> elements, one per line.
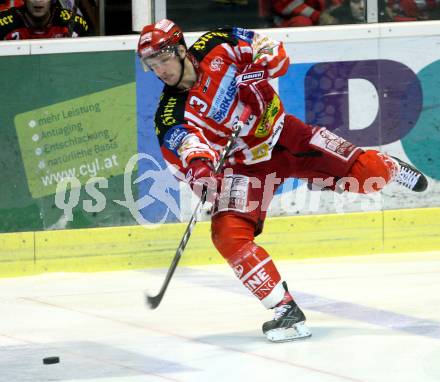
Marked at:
<point>412,10</point>
<point>198,122</point>
<point>310,9</point>
<point>6,4</point>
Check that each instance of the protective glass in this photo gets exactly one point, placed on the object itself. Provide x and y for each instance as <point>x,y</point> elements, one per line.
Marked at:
<point>159,59</point>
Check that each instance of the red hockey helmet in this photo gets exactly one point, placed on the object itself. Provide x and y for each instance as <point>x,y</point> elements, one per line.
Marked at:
<point>160,37</point>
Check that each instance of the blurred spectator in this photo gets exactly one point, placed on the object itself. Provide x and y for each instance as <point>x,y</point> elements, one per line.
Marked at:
<point>87,9</point>
<point>348,12</point>
<point>410,10</point>
<point>40,19</point>
<point>6,4</point>
<point>296,13</point>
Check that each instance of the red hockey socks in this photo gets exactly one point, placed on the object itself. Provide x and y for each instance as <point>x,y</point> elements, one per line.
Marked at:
<point>233,237</point>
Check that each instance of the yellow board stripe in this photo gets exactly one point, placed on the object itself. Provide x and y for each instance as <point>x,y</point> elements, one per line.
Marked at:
<point>412,230</point>
<point>17,253</point>
<point>292,237</point>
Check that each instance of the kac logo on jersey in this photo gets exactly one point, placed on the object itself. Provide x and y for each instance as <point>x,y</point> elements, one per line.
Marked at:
<point>216,64</point>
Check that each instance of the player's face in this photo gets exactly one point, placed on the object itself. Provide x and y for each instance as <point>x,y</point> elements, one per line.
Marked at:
<point>358,10</point>
<point>38,8</point>
<point>166,66</point>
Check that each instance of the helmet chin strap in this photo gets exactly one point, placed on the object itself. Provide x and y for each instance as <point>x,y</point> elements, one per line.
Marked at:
<point>182,72</point>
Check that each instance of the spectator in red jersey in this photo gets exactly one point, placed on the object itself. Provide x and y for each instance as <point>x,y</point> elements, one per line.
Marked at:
<point>38,19</point>
<point>207,88</point>
<point>296,13</point>
<point>6,4</point>
<point>410,10</point>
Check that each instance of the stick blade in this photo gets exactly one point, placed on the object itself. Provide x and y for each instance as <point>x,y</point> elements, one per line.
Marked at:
<point>153,301</point>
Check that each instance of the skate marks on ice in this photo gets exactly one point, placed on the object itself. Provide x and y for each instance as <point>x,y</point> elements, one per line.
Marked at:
<point>83,360</point>
<point>383,318</point>
<point>209,326</point>
<point>378,317</point>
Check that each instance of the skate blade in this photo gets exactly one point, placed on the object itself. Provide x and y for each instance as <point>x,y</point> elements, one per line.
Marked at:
<point>296,332</point>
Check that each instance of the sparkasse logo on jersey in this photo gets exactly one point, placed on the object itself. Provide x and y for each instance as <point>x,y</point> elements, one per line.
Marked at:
<point>224,97</point>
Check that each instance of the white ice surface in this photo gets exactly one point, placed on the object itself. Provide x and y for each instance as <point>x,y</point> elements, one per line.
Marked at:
<point>373,318</point>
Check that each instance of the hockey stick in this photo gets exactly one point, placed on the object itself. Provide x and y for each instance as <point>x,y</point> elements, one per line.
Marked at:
<point>154,301</point>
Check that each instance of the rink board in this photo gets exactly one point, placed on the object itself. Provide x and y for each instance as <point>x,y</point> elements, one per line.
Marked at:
<point>298,237</point>
<point>376,85</point>
<point>366,56</point>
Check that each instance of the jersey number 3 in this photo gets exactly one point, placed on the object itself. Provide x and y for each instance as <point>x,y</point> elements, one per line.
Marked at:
<point>198,104</point>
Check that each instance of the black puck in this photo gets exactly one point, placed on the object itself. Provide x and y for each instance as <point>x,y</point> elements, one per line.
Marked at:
<point>51,360</point>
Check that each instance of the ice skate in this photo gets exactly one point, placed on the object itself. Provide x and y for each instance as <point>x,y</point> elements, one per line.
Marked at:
<point>408,176</point>
<point>288,323</point>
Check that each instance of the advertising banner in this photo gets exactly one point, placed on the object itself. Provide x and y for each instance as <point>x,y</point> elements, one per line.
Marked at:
<point>83,124</point>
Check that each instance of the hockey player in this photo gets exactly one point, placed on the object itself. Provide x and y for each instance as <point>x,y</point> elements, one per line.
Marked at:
<point>38,19</point>
<point>206,89</point>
